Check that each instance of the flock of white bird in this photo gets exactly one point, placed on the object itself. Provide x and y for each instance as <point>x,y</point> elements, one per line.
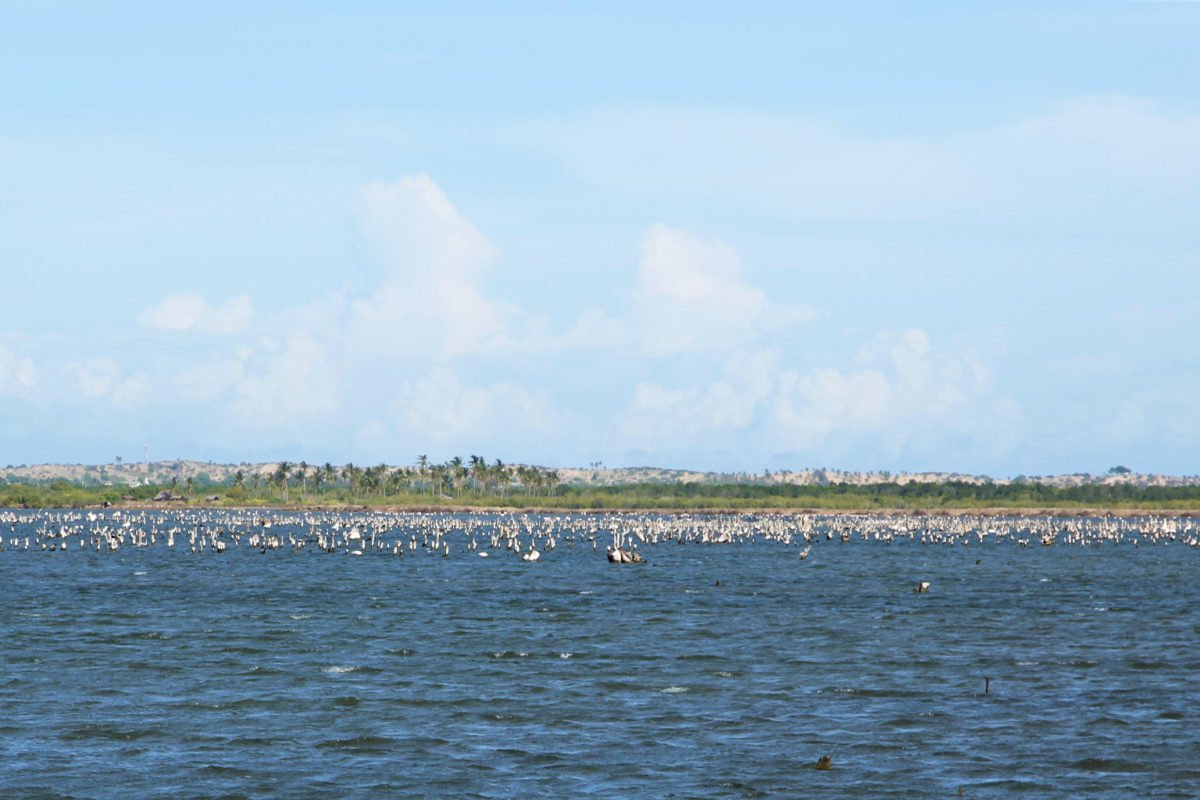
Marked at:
<point>529,536</point>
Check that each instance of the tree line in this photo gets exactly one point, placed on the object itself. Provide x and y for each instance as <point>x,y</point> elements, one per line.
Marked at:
<point>475,481</point>
<point>453,479</point>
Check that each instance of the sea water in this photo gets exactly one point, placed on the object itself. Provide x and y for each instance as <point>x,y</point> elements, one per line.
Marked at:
<point>719,670</point>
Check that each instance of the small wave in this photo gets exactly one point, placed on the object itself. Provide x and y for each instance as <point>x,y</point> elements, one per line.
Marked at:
<point>674,690</point>
<point>110,733</point>
<point>1108,765</point>
<point>221,769</point>
<point>857,692</point>
<point>359,744</point>
<point>263,671</point>
<point>337,669</point>
<point>253,741</point>
<point>299,616</point>
<point>565,655</point>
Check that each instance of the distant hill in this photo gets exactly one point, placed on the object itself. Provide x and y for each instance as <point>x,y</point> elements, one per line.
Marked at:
<point>203,472</point>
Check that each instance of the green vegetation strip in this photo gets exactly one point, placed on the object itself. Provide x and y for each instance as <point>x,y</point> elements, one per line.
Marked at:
<point>954,495</point>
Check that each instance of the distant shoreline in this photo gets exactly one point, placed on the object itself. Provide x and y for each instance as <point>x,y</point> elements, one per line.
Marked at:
<point>994,511</point>
<point>507,489</point>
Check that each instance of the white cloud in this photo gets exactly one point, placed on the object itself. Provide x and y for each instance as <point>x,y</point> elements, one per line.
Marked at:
<point>689,296</point>
<point>687,416</point>
<point>902,388</point>
<point>1085,156</point>
<point>288,385</point>
<point>16,372</point>
<point>441,409</point>
<point>208,379</point>
<point>191,312</point>
<point>901,396</point>
<point>431,301</point>
<point>103,378</point>
<point>705,360</point>
<point>749,160</point>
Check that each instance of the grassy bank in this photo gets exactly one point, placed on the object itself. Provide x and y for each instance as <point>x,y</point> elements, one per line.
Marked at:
<point>950,496</point>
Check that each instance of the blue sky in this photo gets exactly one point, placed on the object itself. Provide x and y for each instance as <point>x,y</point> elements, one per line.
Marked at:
<point>955,236</point>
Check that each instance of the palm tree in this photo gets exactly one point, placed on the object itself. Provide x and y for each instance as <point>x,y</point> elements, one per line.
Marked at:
<point>370,479</point>
<point>281,475</point>
<point>397,479</point>
<point>239,479</point>
<point>422,466</point>
<point>479,474</point>
<point>458,472</point>
<point>503,476</point>
<point>303,479</point>
<point>534,476</point>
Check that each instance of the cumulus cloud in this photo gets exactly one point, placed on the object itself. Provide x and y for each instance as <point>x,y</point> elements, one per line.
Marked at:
<point>191,312</point>
<point>689,415</point>
<point>439,407</point>
<point>16,372</point>
<point>286,384</point>
<point>210,378</point>
<point>433,262</point>
<point>900,396</point>
<point>103,378</point>
<point>689,295</point>
<point>699,360</point>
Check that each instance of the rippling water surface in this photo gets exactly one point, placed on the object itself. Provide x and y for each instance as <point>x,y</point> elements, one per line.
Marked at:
<point>710,671</point>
